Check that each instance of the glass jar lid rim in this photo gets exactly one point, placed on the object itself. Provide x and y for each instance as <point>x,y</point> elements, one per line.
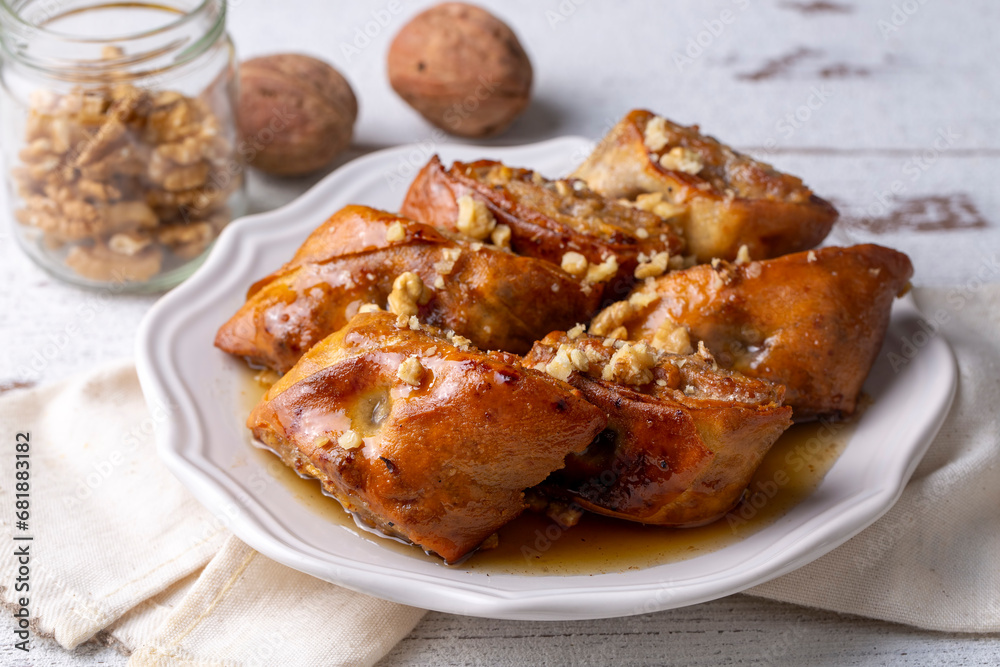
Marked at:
<point>153,50</point>
<point>12,18</point>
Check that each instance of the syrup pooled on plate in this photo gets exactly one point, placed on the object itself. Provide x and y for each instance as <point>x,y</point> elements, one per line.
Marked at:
<point>534,544</point>
<point>791,470</point>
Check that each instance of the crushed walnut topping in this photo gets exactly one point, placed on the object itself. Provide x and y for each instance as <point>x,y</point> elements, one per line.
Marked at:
<point>723,274</point>
<point>743,255</point>
<point>603,272</point>
<point>705,354</point>
<point>461,342</point>
<point>566,361</point>
<point>631,363</point>
<point>596,359</point>
<point>369,308</point>
<point>682,159</point>
<point>447,262</point>
<point>655,134</point>
<point>574,264</point>
<point>410,322</point>
<point>609,322</point>
<point>576,331</point>
<point>655,266</point>
<point>350,440</point>
<point>500,237</point>
<point>474,219</point>
<point>395,232</point>
<point>408,292</point>
<point>610,318</point>
<point>619,334</point>
<point>811,257</point>
<point>411,371</point>
<point>653,202</point>
<point>640,300</point>
<point>672,337</point>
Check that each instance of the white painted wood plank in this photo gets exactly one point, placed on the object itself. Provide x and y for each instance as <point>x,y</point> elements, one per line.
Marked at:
<point>735,631</point>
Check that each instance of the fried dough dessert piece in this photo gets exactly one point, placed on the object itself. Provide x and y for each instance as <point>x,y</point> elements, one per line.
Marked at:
<point>562,221</point>
<point>362,255</point>
<point>683,438</point>
<point>421,436</point>
<point>813,321</point>
<point>722,199</point>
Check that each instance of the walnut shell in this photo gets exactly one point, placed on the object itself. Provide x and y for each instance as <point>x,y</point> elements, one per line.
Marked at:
<point>296,113</point>
<point>462,69</point>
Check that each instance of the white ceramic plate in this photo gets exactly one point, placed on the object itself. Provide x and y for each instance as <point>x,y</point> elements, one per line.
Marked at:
<point>204,441</point>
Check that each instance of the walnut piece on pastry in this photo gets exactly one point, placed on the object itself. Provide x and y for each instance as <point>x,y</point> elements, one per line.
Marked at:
<point>683,438</point>
<point>548,219</point>
<point>496,299</point>
<point>419,437</point>
<point>722,199</point>
<point>813,321</point>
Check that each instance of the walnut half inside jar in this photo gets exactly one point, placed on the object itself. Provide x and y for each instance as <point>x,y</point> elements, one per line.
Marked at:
<point>119,176</point>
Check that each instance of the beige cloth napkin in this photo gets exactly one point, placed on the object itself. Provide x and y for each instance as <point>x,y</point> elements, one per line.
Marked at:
<point>120,547</point>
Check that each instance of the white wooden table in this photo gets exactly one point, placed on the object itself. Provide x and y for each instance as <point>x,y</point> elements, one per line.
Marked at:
<point>889,107</point>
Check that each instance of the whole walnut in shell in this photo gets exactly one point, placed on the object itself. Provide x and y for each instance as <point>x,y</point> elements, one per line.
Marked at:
<point>462,69</point>
<point>296,113</point>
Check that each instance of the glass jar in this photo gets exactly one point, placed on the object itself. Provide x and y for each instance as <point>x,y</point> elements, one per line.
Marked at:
<point>119,136</point>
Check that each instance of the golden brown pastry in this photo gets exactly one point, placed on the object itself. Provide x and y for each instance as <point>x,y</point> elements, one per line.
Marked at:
<point>812,321</point>
<point>563,222</point>
<point>683,438</point>
<point>722,199</point>
<point>421,435</point>
<point>362,255</point>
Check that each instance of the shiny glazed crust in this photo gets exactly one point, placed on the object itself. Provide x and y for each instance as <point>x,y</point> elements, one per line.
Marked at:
<point>732,201</point>
<point>813,321</point>
<point>678,450</point>
<point>486,294</point>
<point>547,218</point>
<point>438,456</point>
